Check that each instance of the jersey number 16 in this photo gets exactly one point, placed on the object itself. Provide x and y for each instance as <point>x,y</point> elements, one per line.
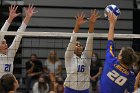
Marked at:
<point>81,68</point>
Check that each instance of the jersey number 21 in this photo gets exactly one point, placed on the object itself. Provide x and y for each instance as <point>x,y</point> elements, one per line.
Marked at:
<point>7,67</point>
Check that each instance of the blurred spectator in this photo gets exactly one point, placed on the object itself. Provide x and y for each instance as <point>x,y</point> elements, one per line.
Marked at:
<point>53,66</point>
<point>136,65</point>
<point>52,92</point>
<point>42,85</point>
<point>58,87</point>
<point>137,84</point>
<point>95,72</point>
<point>34,69</point>
<point>136,69</point>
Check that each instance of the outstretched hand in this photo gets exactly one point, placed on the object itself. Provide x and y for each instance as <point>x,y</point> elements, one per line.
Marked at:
<point>112,18</point>
<point>12,12</point>
<point>30,11</point>
<point>94,16</point>
<point>80,18</point>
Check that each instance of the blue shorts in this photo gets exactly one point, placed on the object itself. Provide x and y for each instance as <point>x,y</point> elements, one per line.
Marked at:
<point>69,90</point>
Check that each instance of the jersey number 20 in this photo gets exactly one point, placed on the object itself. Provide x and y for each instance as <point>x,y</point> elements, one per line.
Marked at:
<point>81,68</point>
<point>7,67</point>
<point>114,76</point>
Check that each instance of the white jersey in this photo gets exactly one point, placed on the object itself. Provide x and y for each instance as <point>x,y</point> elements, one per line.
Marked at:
<point>6,61</point>
<point>78,69</point>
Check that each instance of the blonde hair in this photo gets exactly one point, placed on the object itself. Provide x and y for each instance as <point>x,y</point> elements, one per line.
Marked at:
<point>56,57</point>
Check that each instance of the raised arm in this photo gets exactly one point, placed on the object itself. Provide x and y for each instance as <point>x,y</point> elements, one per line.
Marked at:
<point>112,21</point>
<point>110,45</point>
<point>15,45</point>
<point>71,46</point>
<point>89,44</point>
<point>12,15</point>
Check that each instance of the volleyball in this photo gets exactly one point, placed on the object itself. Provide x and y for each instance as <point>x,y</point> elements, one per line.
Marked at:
<point>112,8</point>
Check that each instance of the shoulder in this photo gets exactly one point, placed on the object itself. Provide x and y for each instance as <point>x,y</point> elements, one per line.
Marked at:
<point>132,74</point>
<point>112,59</point>
<point>47,61</point>
<point>36,84</point>
<point>58,62</point>
<point>28,62</point>
<point>39,61</point>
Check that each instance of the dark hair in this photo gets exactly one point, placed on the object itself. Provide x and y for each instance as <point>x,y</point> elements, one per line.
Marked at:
<point>96,55</point>
<point>7,83</point>
<point>34,55</point>
<point>44,84</point>
<point>98,61</point>
<point>59,80</point>
<point>128,56</point>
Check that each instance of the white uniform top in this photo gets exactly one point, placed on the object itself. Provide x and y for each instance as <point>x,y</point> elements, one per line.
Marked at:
<point>53,68</point>
<point>78,69</point>
<point>6,61</point>
<point>36,90</point>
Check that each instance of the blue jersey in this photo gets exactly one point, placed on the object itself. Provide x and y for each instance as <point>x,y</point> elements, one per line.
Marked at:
<point>116,78</point>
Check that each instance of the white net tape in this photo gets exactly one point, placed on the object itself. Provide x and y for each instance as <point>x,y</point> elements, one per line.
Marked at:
<point>62,34</point>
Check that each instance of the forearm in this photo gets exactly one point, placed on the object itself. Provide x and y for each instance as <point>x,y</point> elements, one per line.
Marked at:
<point>45,70</point>
<point>5,26</point>
<point>10,19</point>
<point>30,70</point>
<point>76,28</point>
<point>99,73</point>
<point>111,32</point>
<point>59,71</point>
<point>91,27</point>
<point>71,46</point>
<point>26,20</point>
<point>137,81</point>
<point>37,73</point>
<point>89,45</point>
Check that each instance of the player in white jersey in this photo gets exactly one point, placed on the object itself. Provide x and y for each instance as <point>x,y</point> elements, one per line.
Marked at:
<point>7,54</point>
<point>78,60</point>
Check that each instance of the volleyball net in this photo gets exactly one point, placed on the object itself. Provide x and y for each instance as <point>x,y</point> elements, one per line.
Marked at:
<point>62,34</point>
<point>41,43</point>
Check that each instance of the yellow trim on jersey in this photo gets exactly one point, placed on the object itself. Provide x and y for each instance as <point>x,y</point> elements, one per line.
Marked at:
<point>111,51</point>
<point>120,68</point>
<point>124,66</point>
